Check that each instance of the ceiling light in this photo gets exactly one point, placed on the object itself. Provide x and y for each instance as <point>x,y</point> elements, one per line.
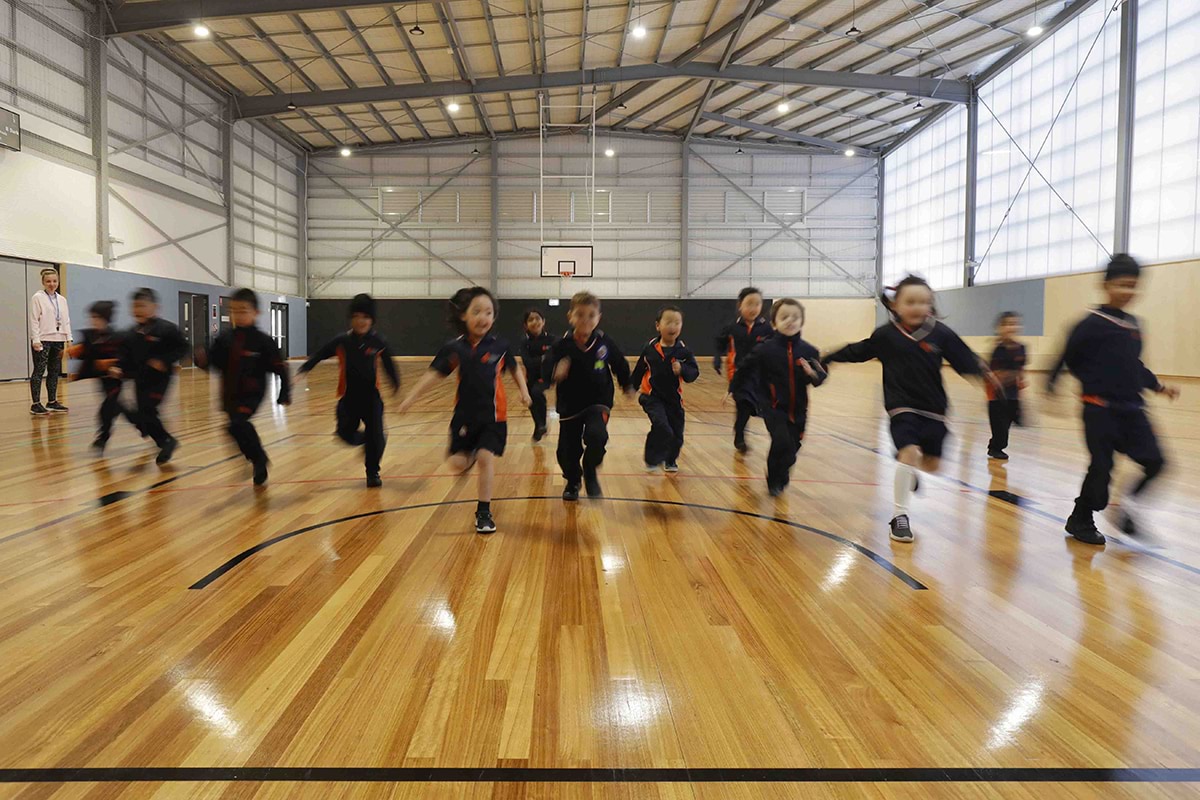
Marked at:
<point>919,105</point>
<point>201,30</point>
<point>346,152</point>
<point>609,152</point>
<point>782,108</point>
<point>849,152</point>
<point>621,106</point>
<point>639,31</point>
<point>474,151</point>
<point>854,31</point>
<point>1034,31</point>
<point>452,107</point>
<point>740,152</point>
<point>389,190</point>
<point>416,30</point>
<point>291,105</point>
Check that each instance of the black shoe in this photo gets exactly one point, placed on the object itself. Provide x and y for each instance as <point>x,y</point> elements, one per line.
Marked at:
<point>901,531</point>
<point>56,406</point>
<point>1084,529</point>
<point>260,472</point>
<point>670,466</point>
<point>38,409</point>
<point>167,450</point>
<point>592,483</point>
<point>373,480</point>
<point>484,522</point>
<point>775,491</point>
<point>98,444</point>
<point>539,434</point>
<point>739,444</point>
<point>998,455</point>
<point>571,493</point>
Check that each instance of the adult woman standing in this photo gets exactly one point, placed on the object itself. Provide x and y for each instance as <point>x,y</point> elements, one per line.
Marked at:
<point>49,333</point>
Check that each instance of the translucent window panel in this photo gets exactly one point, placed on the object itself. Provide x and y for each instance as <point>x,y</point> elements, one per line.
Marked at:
<point>1024,228</point>
<point>924,202</point>
<point>1166,138</point>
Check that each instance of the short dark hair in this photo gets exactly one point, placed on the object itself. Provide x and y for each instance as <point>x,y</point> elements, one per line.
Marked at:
<point>583,299</point>
<point>462,300</point>
<point>749,290</point>
<point>245,296</point>
<point>103,309</point>
<point>665,309</point>
<point>145,293</point>
<point>532,312</point>
<point>778,305</point>
<point>1005,316</point>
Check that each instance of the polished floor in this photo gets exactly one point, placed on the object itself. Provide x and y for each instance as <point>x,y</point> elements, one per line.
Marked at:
<point>664,642</point>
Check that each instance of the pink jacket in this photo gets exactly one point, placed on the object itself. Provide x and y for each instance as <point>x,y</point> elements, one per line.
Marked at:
<point>45,324</point>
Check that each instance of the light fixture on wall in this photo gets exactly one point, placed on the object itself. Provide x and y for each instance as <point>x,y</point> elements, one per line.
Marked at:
<point>291,106</point>
<point>740,152</point>
<point>475,150</point>
<point>201,30</point>
<point>783,106</point>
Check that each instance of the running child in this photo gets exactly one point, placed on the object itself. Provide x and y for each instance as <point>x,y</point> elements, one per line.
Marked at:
<point>778,372</point>
<point>479,427</point>
<point>665,365</point>
<point>245,355</point>
<point>911,348</point>
<point>360,351</point>
<point>534,347</point>
<point>734,343</point>
<point>1004,400</point>
<point>149,354</point>
<point>1104,352</point>
<point>582,365</point>
<point>99,351</point>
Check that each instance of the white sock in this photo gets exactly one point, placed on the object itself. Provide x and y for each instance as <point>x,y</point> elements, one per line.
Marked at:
<point>905,480</point>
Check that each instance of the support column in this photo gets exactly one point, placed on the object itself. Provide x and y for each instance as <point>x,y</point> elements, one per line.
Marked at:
<point>1125,114</point>
<point>302,226</point>
<point>971,187</point>
<point>495,184</point>
<point>879,231</point>
<point>227,185</point>
<point>684,232</point>
<point>98,119</point>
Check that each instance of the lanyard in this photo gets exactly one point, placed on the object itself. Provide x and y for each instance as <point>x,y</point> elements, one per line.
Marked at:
<point>57,312</point>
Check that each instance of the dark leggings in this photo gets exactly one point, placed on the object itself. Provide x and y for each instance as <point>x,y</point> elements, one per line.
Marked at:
<point>367,409</point>
<point>47,362</point>
<point>537,406</point>
<point>1110,431</point>
<point>582,438</point>
<point>745,410</point>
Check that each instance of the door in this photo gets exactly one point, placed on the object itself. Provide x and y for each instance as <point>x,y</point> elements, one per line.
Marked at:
<point>226,322</point>
<point>279,327</point>
<point>193,321</point>
<point>14,321</point>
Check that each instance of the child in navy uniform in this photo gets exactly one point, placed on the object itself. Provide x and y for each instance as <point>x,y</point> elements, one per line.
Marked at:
<point>99,350</point>
<point>479,427</point>
<point>149,353</point>
<point>1104,352</point>
<point>360,352</point>
<point>779,372</point>
<point>912,347</point>
<point>245,355</point>
<point>665,365</point>
<point>1004,400</point>
<point>534,347</point>
<point>734,343</point>
<point>582,365</point>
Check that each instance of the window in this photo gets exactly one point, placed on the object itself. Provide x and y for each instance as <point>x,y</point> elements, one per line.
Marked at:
<point>1166,138</point>
<point>1036,234</point>
<point>924,199</point>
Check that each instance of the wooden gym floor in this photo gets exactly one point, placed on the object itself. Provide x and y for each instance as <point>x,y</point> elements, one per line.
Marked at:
<point>174,632</point>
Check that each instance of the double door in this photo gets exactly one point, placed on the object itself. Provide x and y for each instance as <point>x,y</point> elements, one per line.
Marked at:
<point>19,279</point>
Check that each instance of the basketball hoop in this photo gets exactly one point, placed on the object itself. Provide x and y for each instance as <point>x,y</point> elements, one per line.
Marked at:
<point>566,269</point>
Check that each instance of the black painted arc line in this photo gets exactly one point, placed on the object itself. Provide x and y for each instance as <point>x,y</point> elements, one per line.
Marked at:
<point>850,775</point>
<point>909,580</point>
<point>118,495</point>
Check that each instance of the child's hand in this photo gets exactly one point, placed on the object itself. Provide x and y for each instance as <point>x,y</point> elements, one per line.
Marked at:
<point>157,365</point>
<point>807,367</point>
<point>37,347</point>
<point>116,372</point>
<point>561,369</point>
<point>675,367</point>
<point>1171,391</point>
<point>526,400</point>
<point>725,400</point>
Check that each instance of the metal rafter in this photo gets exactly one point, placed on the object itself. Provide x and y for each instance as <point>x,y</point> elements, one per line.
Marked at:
<point>780,133</point>
<point>384,75</point>
<point>487,12</point>
<point>398,26</point>
<point>533,58</point>
<point>135,18</point>
<point>337,68</point>
<point>744,18</point>
<point>458,51</point>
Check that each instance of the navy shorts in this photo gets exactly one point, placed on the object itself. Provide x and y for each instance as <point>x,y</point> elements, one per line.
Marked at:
<point>925,432</point>
<point>468,436</point>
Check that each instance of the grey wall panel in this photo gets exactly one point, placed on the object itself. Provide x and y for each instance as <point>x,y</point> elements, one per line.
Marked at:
<point>973,311</point>
<point>14,320</point>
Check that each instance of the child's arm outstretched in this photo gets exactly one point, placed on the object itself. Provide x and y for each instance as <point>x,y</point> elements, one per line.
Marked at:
<point>443,364</point>
<point>854,353</point>
<point>640,369</point>
<point>327,350</point>
<point>518,373</point>
<point>389,366</point>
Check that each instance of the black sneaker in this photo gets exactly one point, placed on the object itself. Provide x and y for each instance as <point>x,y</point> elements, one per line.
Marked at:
<point>484,522</point>
<point>98,444</point>
<point>260,472</point>
<point>571,493</point>
<point>592,483</point>
<point>373,480</point>
<point>539,434</point>
<point>775,491</point>
<point>1123,521</point>
<point>901,531</point>
<point>739,444</point>
<point>998,455</point>
<point>652,468</point>
<point>56,406</point>
<point>1084,529</point>
<point>167,450</point>
<point>38,409</point>
<point>670,466</point>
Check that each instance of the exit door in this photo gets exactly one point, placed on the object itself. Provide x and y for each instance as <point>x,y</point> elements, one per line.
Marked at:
<point>279,327</point>
<point>193,321</point>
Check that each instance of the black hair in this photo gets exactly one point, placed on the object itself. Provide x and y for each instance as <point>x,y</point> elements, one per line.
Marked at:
<point>1122,265</point>
<point>147,294</point>
<point>363,304</point>
<point>461,301</point>
<point>665,309</point>
<point>778,305</point>
<point>531,312</point>
<point>1005,316</point>
<point>103,309</point>
<point>749,290</point>
<point>245,296</point>
<point>890,293</point>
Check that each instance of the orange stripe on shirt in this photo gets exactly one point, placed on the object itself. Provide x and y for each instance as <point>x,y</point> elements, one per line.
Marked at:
<point>341,356</point>
<point>501,399</point>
